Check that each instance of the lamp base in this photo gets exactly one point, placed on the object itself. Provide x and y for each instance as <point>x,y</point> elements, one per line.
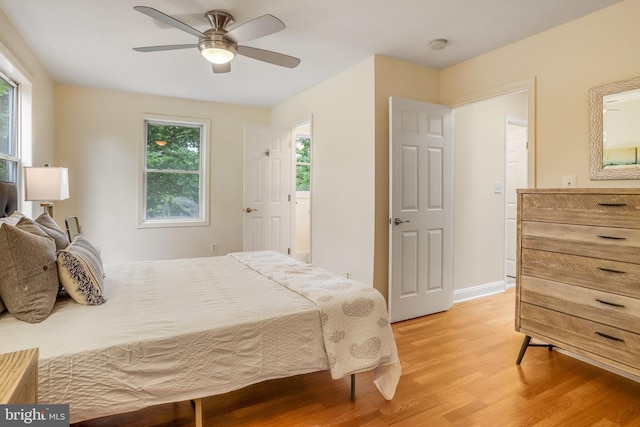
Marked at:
<point>48,208</point>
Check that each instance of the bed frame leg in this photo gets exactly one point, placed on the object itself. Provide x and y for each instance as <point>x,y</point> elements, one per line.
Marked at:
<point>353,387</point>
<point>197,410</point>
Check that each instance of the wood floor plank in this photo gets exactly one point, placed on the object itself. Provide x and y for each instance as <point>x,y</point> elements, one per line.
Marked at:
<point>458,370</point>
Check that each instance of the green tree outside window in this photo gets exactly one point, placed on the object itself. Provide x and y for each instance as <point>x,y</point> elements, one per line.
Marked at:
<point>303,163</point>
<point>173,171</point>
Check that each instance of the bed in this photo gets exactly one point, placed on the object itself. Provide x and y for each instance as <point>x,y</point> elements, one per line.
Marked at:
<point>186,329</point>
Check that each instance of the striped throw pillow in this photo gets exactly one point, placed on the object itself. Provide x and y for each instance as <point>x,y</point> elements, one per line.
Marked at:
<point>80,272</point>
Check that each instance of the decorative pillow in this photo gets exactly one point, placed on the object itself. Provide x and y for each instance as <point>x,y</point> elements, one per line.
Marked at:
<point>49,226</point>
<point>12,219</point>
<point>28,274</point>
<point>80,272</point>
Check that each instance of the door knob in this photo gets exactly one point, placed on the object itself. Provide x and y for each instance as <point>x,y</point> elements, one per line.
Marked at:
<point>249,210</point>
<point>398,221</point>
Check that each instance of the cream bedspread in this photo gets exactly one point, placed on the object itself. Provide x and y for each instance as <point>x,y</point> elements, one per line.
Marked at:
<point>356,330</point>
<point>175,330</point>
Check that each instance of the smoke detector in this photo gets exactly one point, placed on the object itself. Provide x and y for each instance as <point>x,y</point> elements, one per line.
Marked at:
<point>438,44</point>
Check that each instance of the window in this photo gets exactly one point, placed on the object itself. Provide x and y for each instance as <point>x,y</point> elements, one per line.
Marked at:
<point>303,162</point>
<point>8,134</point>
<point>174,172</point>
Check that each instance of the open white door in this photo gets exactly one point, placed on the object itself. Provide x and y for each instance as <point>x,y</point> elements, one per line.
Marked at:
<point>421,209</point>
<point>516,173</point>
<point>267,177</point>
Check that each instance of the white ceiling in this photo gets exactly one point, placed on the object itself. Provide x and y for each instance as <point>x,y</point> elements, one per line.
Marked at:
<point>89,42</point>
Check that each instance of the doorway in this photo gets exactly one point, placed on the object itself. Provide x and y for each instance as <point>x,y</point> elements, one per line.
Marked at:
<point>482,189</point>
<point>302,205</point>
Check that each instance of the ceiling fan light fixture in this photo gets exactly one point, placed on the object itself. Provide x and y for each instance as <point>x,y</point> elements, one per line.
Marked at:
<point>217,51</point>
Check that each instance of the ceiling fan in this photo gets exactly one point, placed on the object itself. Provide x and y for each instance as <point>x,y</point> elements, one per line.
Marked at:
<point>220,46</point>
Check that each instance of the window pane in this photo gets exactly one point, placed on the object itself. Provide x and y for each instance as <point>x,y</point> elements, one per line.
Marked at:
<point>8,170</point>
<point>7,95</point>
<point>302,177</point>
<point>173,196</point>
<point>173,147</point>
<point>303,149</point>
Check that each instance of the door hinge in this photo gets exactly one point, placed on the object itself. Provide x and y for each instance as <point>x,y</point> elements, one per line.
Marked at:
<point>288,197</point>
<point>288,251</point>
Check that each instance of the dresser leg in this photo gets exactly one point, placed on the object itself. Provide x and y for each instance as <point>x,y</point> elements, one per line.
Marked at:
<point>526,343</point>
<point>523,348</point>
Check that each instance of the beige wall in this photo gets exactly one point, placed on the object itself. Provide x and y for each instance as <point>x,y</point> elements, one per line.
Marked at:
<point>566,62</point>
<point>99,135</point>
<point>343,174</point>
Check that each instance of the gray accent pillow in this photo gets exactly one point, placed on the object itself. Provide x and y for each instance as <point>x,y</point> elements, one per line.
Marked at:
<point>81,273</point>
<point>12,219</point>
<point>28,274</point>
<point>52,229</point>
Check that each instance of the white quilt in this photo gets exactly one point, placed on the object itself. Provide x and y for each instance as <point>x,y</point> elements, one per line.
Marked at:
<point>175,330</point>
<point>356,330</point>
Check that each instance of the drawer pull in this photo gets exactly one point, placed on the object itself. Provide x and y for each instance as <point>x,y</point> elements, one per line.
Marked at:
<point>609,337</point>
<point>608,270</point>
<point>613,304</point>
<point>612,237</point>
<point>613,204</point>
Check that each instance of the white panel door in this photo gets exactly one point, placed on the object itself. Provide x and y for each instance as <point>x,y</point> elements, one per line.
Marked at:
<point>516,177</point>
<point>421,209</point>
<point>267,177</point>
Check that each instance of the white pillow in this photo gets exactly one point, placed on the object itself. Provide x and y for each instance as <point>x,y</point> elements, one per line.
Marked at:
<point>80,272</point>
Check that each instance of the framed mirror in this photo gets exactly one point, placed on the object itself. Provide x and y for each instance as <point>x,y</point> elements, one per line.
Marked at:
<point>614,136</point>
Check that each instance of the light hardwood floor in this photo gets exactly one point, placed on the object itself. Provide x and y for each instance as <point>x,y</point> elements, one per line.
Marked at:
<point>458,370</point>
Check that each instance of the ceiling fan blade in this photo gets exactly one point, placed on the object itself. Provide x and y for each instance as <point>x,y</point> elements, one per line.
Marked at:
<point>156,14</point>
<point>256,28</point>
<point>165,47</point>
<point>269,56</point>
<point>221,68</point>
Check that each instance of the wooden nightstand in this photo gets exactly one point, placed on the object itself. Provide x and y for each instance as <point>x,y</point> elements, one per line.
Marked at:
<point>19,377</point>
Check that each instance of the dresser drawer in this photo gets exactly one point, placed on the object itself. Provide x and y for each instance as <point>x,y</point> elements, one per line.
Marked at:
<point>612,210</point>
<point>602,340</point>
<point>620,278</point>
<point>615,244</point>
<point>602,307</point>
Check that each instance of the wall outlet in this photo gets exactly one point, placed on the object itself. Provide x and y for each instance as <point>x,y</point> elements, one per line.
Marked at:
<point>569,181</point>
<point>214,247</point>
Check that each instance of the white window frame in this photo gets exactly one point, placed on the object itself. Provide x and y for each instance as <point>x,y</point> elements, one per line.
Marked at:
<point>205,127</point>
<point>15,157</point>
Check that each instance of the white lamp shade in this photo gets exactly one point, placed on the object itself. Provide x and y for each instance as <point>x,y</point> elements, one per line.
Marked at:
<point>46,184</point>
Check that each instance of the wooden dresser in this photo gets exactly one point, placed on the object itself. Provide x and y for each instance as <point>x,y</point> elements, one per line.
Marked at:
<point>578,274</point>
<point>19,377</point>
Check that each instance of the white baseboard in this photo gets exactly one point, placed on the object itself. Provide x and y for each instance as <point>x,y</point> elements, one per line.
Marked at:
<point>479,291</point>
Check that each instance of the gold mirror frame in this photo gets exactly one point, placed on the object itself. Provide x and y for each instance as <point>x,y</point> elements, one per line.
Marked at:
<point>597,170</point>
